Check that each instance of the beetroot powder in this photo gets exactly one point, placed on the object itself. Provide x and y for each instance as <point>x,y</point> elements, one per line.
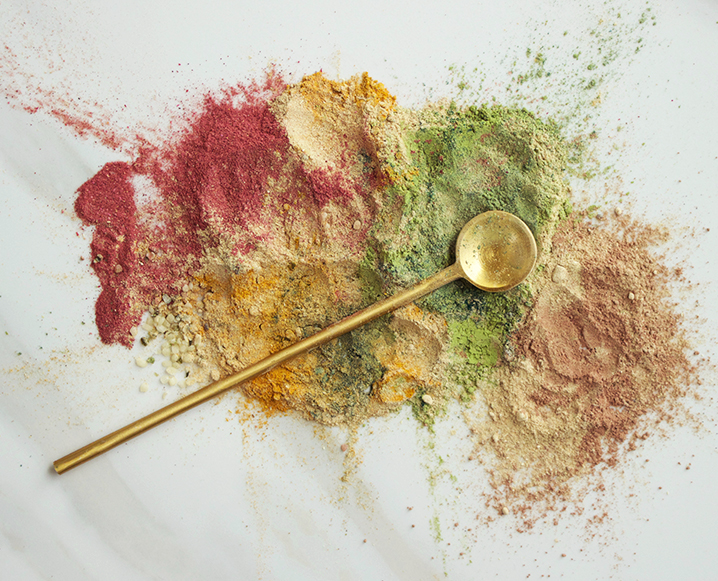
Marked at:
<point>107,201</point>
<point>207,191</point>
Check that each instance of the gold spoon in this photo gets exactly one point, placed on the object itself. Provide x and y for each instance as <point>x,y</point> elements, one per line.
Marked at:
<point>495,251</point>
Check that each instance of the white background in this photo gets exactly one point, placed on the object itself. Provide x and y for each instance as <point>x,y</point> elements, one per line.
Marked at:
<point>208,496</point>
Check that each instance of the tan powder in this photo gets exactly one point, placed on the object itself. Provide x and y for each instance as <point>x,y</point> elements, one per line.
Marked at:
<point>601,348</point>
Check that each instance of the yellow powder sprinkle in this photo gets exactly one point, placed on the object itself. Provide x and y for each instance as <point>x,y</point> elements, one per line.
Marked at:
<point>337,124</point>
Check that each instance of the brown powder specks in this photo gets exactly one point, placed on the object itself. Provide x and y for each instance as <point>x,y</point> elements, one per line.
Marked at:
<point>602,348</point>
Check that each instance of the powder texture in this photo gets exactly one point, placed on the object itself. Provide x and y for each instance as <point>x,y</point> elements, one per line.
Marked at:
<point>306,203</point>
<point>107,201</point>
<point>345,127</point>
<point>283,208</point>
<point>600,349</point>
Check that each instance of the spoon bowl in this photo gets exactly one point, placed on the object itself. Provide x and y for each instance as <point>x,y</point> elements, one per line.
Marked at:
<point>496,251</point>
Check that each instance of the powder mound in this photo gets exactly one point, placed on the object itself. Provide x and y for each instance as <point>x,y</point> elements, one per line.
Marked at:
<point>281,209</point>
<point>346,128</point>
<point>601,349</point>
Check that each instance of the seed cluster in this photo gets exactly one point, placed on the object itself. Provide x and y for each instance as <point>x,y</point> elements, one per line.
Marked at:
<point>177,322</point>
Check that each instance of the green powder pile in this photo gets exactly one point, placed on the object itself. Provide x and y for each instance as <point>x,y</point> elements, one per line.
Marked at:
<point>463,162</point>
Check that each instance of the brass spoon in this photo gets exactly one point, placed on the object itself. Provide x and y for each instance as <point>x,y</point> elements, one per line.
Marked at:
<point>495,251</point>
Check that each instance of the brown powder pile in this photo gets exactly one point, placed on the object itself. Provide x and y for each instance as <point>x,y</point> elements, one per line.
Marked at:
<point>601,349</point>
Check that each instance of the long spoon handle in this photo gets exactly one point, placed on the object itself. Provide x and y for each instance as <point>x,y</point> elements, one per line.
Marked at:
<point>214,389</point>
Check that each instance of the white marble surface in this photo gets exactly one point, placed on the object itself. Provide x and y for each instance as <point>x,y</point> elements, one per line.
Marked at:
<point>209,497</point>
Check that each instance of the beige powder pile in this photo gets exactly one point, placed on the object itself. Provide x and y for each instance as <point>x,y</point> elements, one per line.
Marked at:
<point>600,350</point>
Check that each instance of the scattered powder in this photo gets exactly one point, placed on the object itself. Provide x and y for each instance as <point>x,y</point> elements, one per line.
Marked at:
<point>290,207</point>
<point>281,209</point>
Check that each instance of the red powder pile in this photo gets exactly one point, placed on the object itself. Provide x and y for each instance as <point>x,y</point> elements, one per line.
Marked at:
<point>107,201</point>
<point>207,191</point>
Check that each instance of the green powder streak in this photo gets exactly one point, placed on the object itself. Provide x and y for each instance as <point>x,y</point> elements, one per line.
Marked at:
<point>475,342</point>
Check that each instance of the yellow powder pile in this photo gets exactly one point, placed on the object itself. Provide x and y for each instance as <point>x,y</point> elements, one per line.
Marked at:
<point>347,127</point>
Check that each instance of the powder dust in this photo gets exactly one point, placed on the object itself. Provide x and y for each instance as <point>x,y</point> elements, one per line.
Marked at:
<point>284,208</point>
<point>300,205</point>
<point>600,360</point>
